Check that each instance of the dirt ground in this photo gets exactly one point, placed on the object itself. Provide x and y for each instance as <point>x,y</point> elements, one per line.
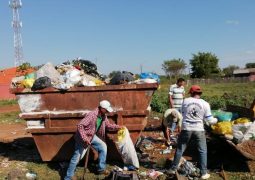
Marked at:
<point>12,108</point>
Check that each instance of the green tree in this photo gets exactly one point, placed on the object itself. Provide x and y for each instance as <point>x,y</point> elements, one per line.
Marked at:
<point>228,71</point>
<point>250,65</point>
<point>174,67</point>
<point>204,65</point>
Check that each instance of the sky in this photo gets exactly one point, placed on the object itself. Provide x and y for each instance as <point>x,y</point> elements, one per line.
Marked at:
<point>130,34</point>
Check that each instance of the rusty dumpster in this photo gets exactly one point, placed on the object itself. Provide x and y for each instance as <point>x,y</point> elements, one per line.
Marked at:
<point>52,115</point>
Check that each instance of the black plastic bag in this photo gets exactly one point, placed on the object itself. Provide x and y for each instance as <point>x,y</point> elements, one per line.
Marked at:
<point>41,83</point>
<point>118,175</point>
<point>122,78</point>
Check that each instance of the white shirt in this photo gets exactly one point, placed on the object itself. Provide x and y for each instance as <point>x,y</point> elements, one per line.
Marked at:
<point>177,95</point>
<point>168,121</point>
<point>194,112</point>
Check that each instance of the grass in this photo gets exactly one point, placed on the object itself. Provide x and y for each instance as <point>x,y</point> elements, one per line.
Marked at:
<point>10,118</point>
<point>8,102</point>
<point>218,89</point>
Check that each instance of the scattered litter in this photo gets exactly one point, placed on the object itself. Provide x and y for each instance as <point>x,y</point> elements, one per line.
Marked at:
<point>154,174</point>
<point>166,151</point>
<point>31,175</point>
<point>143,173</point>
<point>117,168</point>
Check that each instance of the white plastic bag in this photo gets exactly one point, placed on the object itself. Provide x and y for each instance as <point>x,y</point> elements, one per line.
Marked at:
<point>250,132</point>
<point>49,70</point>
<point>239,130</point>
<point>126,148</point>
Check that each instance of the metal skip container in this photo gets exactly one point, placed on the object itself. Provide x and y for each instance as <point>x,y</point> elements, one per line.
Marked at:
<point>52,115</point>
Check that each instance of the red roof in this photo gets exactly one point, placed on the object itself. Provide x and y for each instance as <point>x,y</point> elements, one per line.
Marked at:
<point>6,75</point>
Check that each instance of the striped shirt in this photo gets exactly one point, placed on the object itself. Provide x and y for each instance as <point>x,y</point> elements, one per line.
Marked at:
<point>177,94</point>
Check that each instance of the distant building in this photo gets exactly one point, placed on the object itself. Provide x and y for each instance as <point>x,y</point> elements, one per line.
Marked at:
<point>6,76</point>
<point>248,72</point>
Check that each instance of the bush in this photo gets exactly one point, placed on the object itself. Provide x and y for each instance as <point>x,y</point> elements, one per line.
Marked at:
<point>159,102</point>
<point>220,102</point>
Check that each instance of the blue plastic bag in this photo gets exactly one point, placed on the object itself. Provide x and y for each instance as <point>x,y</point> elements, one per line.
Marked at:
<point>150,76</point>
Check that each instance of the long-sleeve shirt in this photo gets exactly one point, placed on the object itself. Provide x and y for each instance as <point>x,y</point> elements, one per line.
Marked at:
<point>86,129</point>
<point>195,112</point>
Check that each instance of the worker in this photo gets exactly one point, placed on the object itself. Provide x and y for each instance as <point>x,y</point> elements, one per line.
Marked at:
<point>177,94</point>
<point>172,120</point>
<point>91,132</point>
<point>196,112</point>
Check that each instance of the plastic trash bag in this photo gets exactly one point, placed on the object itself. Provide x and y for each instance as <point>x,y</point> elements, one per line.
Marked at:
<point>241,121</point>
<point>119,175</point>
<point>150,76</point>
<point>41,83</point>
<point>222,128</point>
<point>28,83</point>
<point>122,78</point>
<point>250,133</point>
<point>49,70</point>
<point>126,148</point>
<point>187,168</point>
<point>239,130</point>
<point>72,76</point>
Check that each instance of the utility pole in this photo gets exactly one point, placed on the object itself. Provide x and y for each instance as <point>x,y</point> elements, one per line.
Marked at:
<point>17,24</point>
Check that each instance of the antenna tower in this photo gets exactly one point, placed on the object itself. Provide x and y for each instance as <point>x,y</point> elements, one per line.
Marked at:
<point>17,24</point>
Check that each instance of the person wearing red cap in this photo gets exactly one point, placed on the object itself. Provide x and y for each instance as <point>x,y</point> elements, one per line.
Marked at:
<point>196,112</point>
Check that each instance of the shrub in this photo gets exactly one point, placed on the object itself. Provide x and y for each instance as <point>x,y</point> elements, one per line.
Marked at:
<point>159,102</point>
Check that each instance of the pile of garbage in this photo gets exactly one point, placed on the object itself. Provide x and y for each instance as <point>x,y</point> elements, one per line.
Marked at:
<point>77,72</point>
<point>156,156</point>
<point>236,129</point>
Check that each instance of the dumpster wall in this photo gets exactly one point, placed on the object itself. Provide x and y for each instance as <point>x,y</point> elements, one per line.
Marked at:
<point>61,111</point>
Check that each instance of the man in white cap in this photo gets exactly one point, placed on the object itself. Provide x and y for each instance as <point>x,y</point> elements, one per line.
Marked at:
<point>91,131</point>
<point>172,120</point>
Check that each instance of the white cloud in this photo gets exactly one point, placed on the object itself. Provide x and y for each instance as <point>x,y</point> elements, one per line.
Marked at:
<point>232,22</point>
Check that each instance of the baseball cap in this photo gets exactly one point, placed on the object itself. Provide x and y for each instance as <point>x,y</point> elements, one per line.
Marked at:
<point>106,105</point>
<point>174,116</point>
<point>195,88</point>
<point>171,113</point>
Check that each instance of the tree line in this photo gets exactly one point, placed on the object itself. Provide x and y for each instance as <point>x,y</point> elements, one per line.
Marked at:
<point>202,65</point>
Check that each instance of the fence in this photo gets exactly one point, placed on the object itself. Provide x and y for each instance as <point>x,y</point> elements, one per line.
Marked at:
<point>219,80</point>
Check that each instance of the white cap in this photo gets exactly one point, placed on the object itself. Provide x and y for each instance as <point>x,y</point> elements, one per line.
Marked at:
<point>106,105</point>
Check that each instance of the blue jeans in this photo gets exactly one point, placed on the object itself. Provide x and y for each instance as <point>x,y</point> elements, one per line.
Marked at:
<point>183,140</point>
<point>79,153</point>
<point>173,126</point>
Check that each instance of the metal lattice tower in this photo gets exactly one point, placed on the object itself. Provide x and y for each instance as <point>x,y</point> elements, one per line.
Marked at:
<point>17,24</point>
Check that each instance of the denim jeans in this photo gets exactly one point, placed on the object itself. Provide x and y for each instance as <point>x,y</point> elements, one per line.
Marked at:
<point>183,140</point>
<point>79,153</point>
<point>173,126</point>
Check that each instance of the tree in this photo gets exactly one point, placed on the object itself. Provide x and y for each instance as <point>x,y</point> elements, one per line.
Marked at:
<point>228,71</point>
<point>250,65</point>
<point>174,67</point>
<point>204,65</point>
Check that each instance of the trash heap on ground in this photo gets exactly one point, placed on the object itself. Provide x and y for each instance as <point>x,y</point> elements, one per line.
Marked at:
<point>233,128</point>
<point>156,156</point>
<point>77,72</point>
